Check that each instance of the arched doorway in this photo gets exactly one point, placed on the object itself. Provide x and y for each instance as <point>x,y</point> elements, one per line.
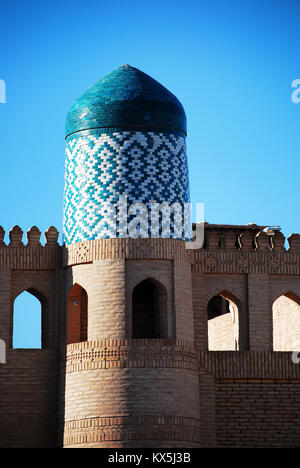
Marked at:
<point>149,310</point>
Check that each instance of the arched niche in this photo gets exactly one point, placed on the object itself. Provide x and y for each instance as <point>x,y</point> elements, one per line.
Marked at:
<point>77,316</point>
<point>149,310</point>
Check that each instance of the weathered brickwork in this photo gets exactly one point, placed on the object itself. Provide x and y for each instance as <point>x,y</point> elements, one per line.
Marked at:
<point>115,391</point>
<point>133,386</point>
<point>258,413</point>
<point>104,283</point>
<point>29,379</point>
<point>28,402</point>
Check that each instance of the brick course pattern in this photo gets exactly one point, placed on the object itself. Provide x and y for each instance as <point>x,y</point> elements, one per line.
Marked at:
<point>115,391</point>
<point>258,413</point>
<point>134,385</point>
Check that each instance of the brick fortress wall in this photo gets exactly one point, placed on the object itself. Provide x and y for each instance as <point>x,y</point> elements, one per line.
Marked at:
<point>29,379</point>
<point>241,398</point>
<point>254,392</point>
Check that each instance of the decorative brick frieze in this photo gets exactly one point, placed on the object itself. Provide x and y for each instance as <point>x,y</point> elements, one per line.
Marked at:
<point>115,354</point>
<point>131,428</point>
<point>116,249</point>
<point>244,262</point>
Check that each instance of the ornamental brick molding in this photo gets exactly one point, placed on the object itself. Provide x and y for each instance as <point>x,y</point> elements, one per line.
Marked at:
<point>135,428</point>
<point>113,354</point>
<point>82,253</point>
<point>271,262</point>
<point>168,249</point>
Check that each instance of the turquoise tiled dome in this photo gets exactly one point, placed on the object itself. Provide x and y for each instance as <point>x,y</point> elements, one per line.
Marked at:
<point>126,147</point>
<point>126,98</point>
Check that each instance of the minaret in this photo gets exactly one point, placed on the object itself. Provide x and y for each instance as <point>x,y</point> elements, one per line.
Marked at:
<point>125,142</point>
<point>130,377</point>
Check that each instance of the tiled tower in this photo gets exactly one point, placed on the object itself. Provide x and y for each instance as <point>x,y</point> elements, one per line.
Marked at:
<point>125,137</point>
<point>129,324</point>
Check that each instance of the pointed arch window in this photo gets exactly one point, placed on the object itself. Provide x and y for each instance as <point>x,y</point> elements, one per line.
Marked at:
<point>77,314</point>
<point>223,324</point>
<point>149,310</point>
<point>27,321</point>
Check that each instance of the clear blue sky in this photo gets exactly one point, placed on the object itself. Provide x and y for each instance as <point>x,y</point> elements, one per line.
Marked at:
<point>231,64</point>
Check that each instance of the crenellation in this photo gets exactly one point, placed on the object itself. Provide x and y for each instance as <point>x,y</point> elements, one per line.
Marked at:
<point>33,237</point>
<point>230,241</point>
<point>2,234</point>
<point>245,240</point>
<point>213,240</point>
<point>277,242</point>
<point>15,236</point>
<point>51,236</point>
<point>33,255</point>
<point>262,241</point>
<point>294,242</point>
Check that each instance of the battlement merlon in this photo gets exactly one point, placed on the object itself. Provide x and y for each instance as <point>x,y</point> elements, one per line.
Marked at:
<point>250,237</point>
<point>33,256</point>
<point>227,249</point>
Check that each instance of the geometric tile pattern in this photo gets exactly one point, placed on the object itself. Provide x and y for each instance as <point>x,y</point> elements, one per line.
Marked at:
<point>109,173</point>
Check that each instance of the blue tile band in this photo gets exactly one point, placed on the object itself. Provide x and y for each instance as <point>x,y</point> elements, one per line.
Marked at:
<point>144,167</point>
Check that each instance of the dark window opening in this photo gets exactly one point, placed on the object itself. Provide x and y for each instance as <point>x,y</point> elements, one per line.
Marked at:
<point>217,306</point>
<point>149,310</point>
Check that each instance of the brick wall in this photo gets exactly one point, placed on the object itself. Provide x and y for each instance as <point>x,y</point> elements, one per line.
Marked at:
<point>123,393</point>
<point>29,379</point>
<point>28,401</point>
<point>131,391</point>
<point>258,413</point>
<point>183,300</point>
<point>104,283</point>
